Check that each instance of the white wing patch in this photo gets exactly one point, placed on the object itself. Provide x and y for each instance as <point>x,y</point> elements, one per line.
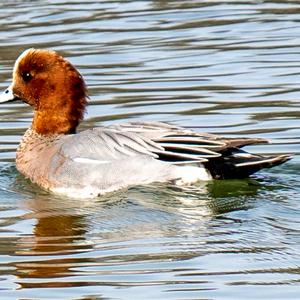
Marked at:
<point>84,160</point>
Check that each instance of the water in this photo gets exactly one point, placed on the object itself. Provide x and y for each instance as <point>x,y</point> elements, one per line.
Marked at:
<point>227,67</point>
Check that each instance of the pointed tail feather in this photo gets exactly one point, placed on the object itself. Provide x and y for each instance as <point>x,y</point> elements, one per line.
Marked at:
<point>242,164</point>
<point>265,162</point>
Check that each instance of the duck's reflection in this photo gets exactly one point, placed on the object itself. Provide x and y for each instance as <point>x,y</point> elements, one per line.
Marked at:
<point>68,233</point>
<point>57,236</point>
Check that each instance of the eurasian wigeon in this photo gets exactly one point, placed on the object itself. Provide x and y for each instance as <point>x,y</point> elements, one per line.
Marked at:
<point>104,159</point>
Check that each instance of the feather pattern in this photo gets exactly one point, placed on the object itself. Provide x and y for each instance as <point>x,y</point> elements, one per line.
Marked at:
<point>168,143</point>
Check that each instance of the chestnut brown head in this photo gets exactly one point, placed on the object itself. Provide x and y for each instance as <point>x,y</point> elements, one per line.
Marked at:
<point>53,87</point>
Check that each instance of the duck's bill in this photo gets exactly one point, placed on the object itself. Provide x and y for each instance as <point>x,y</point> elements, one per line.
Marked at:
<point>7,95</point>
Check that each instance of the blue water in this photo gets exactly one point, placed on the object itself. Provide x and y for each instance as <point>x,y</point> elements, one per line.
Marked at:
<point>226,67</point>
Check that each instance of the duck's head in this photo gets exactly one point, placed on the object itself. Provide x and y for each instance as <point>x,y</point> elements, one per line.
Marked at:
<point>52,86</point>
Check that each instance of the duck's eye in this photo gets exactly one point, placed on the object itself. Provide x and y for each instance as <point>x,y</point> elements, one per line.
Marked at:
<point>26,76</point>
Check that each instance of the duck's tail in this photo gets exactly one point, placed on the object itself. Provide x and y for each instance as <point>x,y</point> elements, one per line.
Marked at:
<point>241,164</point>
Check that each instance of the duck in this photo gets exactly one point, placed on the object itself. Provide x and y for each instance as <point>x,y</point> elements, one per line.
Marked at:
<point>87,164</point>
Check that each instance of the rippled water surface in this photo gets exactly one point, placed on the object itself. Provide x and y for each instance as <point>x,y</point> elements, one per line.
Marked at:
<point>227,67</point>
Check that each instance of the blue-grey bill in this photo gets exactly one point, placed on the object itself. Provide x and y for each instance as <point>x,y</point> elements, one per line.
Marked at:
<point>7,95</point>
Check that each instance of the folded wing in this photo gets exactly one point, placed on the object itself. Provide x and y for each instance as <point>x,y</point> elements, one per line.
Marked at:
<point>223,157</point>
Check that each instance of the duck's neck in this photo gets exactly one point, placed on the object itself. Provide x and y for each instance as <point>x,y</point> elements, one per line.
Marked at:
<point>52,123</point>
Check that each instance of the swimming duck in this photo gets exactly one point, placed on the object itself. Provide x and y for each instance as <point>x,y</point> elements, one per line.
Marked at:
<point>90,163</point>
